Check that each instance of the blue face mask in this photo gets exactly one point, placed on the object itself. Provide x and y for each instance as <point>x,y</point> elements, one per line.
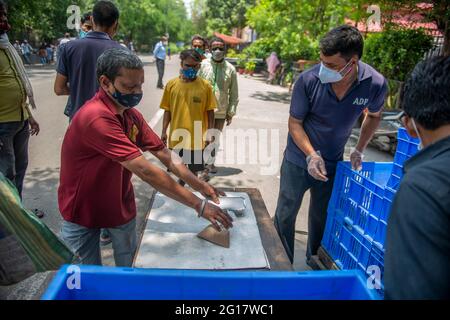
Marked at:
<point>82,34</point>
<point>130,100</point>
<point>327,75</point>
<point>189,73</point>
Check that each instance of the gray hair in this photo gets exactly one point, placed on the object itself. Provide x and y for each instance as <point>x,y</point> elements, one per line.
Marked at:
<point>112,60</point>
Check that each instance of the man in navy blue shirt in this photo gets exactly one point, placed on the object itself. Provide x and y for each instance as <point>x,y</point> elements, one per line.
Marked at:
<point>77,60</point>
<point>326,102</point>
<point>76,68</point>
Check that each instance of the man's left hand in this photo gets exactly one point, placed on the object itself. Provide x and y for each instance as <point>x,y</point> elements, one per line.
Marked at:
<point>34,126</point>
<point>356,159</point>
<point>212,193</point>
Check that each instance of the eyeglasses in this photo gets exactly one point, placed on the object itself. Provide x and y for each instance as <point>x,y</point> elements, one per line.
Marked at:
<point>218,48</point>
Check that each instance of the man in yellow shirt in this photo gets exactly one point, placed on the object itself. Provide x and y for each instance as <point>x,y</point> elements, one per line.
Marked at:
<point>189,106</point>
<point>16,121</point>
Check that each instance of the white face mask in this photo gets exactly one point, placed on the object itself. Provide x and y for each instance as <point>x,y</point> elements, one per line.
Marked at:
<point>328,75</point>
<point>417,132</point>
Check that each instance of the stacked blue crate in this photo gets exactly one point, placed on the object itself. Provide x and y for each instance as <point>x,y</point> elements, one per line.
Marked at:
<point>359,210</point>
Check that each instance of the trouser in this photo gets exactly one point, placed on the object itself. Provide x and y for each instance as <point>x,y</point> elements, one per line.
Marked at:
<point>14,137</point>
<point>26,57</point>
<point>219,124</point>
<point>295,181</point>
<point>160,64</point>
<point>85,243</point>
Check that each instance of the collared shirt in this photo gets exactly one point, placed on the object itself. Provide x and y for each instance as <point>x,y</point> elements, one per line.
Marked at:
<point>222,77</point>
<point>12,93</point>
<point>77,60</point>
<point>160,51</point>
<point>95,189</point>
<point>417,258</point>
<point>188,104</point>
<point>328,122</point>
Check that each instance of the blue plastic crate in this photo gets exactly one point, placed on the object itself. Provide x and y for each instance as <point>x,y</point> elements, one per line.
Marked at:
<point>377,259</point>
<point>358,197</point>
<point>406,148</point>
<point>380,235</point>
<point>107,283</point>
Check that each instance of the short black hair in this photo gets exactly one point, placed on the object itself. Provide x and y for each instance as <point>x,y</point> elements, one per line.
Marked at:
<point>85,17</point>
<point>105,13</point>
<point>190,53</point>
<point>345,39</point>
<point>426,95</point>
<point>112,60</point>
<point>199,37</point>
<point>217,39</point>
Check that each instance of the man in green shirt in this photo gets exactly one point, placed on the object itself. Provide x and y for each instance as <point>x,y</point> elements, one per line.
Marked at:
<point>16,121</point>
<point>222,76</point>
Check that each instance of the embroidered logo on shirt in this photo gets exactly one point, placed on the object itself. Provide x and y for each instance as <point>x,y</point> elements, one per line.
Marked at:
<point>360,101</point>
<point>197,99</point>
<point>133,133</point>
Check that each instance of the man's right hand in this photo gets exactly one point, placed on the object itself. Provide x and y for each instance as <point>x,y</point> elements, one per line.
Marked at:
<point>316,167</point>
<point>214,214</point>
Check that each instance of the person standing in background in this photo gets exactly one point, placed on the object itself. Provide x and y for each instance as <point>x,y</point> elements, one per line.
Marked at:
<point>159,53</point>
<point>26,50</point>
<point>16,120</point>
<point>199,44</point>
<point>223,78</point>
<point>188,103</point>
<point>86,25</point>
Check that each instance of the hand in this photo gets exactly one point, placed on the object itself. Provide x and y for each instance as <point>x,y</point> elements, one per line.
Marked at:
<point>212,193</point>
<point>316,166</point>
<point>214,214</point>
<point>34,126</point>
<point>164,138</point>
<point>356,158</point>
<point>228,119</point>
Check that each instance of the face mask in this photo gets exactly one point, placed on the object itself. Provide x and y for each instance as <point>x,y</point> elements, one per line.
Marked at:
<point>417,132</point>
<point>165,43</point>
<point>218,55</point>
<point>127,100</point>
<point>199,50</point>
<point>189,73</point>
<point>83,34</point>
<point>328,75</point>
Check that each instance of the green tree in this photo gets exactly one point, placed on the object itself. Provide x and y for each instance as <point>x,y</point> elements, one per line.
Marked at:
<point>224,15</point>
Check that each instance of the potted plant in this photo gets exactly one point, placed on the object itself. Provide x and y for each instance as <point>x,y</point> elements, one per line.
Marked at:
<point>241,64</point>
<point>250,67</point>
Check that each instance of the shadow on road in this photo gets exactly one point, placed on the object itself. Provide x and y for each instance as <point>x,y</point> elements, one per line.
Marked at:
<point>283,97</point>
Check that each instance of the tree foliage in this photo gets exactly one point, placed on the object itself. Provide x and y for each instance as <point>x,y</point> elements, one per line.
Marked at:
<point>142,21</point>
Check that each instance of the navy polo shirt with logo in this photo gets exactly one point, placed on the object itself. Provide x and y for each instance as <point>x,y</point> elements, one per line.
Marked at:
<point>77,60</point>
<point>327,121</point>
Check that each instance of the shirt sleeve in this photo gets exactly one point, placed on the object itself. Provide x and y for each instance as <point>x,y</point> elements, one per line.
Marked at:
<point>165,100</point>
<point>211,103</point>
<point>148,140</point>
<point>106,136</point>
<point>234,95</point>
<point>300,105</point>
<point>61,66</point>
<point>379,98</point>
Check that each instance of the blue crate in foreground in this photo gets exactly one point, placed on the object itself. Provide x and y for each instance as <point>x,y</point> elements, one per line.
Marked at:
<point>107,283</point>
<point>358,198</point>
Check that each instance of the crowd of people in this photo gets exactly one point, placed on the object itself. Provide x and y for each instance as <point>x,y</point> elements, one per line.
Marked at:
<point>107,135</point>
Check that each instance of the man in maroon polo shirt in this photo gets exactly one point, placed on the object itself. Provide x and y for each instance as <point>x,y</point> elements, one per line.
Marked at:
<point>102,149</point>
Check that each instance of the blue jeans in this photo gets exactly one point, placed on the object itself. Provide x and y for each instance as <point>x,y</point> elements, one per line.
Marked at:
<point>14,137</point>
<point>295,181</point>
<point>85,243</point>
